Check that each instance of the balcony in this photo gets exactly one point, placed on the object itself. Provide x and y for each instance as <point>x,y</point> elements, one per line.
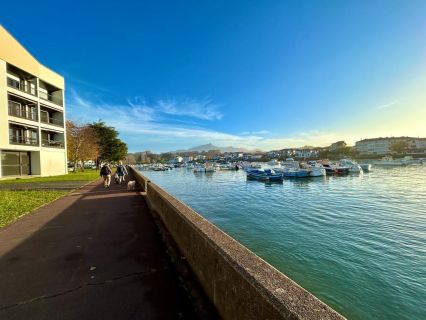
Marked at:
<point>21,80</point>
<point>50,93</point>
<point>23,135</point>
<point>21,108</point>
<point>23,140</point>
<point>49,97</point>
<point>52,143</point>
<point>51,117</point>
<point>51,139</point>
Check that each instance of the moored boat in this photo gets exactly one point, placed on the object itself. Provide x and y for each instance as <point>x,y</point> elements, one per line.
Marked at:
<point>296,173</point>
<point>334,169</point>
<point>366,167</point>
<point>316,171</point>
<point>352,165</point>
<point>389,161</point>
<point>264,175</point>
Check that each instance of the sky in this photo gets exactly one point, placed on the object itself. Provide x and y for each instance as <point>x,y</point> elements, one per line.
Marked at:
<point>171,75</point>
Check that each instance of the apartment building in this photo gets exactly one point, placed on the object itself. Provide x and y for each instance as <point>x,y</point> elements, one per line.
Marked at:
<point>381,146</point>
<point>32,114</point>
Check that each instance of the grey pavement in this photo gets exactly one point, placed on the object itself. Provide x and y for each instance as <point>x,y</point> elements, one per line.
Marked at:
<point>94,254</point>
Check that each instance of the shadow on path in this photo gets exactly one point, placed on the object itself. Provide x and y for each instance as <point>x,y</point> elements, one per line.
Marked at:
<point>94,254</point>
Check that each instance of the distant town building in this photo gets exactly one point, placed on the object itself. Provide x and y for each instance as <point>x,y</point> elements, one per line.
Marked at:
<point>32,114</point>
<point>200,157</point>
<point>381,146</point>
<point>306,153</point>
<point>187,158</point>
<point>337,145</point>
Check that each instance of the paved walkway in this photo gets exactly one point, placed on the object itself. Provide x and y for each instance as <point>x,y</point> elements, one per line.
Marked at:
<point>94,254</point>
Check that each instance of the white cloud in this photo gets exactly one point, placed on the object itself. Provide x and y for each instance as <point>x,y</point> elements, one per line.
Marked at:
<point>388,105</point>
<point>204,109</point>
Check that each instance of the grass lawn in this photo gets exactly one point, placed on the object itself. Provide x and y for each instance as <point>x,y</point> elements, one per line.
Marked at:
<point>14,204</point>
<point>87,175</point>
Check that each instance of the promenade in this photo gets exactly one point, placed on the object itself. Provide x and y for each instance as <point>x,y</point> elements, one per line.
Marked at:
<point>93,254</point>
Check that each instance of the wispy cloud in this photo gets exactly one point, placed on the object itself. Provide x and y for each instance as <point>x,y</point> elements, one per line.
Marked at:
<point>388,105</point>
<point>137,117</point>
<point>204,109</point>
<point>140,123</point>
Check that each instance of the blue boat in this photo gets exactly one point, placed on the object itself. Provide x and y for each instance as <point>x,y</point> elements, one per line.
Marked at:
<point>296,173</point>
<point>264,175</point>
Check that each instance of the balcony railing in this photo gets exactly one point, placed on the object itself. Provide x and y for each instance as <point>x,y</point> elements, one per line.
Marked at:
<point>18,85</point>
<point>48,97</point>
<point>44,117</point>
<point>18,110</point>
<point>23,140</point>
<point>52,143</point>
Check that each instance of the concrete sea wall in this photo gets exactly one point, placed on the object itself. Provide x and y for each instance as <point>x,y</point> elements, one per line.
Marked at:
<point>239,283</point>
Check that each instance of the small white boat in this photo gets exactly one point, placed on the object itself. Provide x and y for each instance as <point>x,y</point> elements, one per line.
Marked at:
<point>274,162</point>
<point>366,167</point>
<point>290,163</point>
<point>352,165</point>
<point>207,167</point>
<point>316,171</point>
<point>389,161</point>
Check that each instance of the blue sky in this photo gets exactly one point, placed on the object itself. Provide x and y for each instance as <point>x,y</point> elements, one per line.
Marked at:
<point>257,74</point>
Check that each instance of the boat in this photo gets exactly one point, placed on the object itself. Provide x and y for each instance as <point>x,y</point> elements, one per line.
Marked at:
<point>391,162</point>
<point>290,163</point>
<point>352,165</point>
<point>335,169</point>
<point>208,167</point>
<point>264,175</point>
<point>409,160</point>
<point>296,173</point>
<point>274,162</point>
<point>366,167</point>
<point>316,171</point>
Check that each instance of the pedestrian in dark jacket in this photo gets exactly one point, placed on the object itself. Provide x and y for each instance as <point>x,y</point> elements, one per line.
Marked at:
<point>106,174</point>
<point>121,172</point>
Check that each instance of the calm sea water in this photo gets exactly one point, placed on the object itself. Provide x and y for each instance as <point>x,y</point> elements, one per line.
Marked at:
<point>356,242</point>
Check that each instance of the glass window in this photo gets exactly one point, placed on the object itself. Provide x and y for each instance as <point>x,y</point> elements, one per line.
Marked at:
<point>15,163</point>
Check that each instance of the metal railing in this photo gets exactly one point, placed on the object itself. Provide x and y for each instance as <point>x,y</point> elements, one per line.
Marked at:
<point>20,111</point>
<point>18,85</point>
<point>44,117</point>
<point>48,97</point>
<point>52,143</point>
<point>23,140</point>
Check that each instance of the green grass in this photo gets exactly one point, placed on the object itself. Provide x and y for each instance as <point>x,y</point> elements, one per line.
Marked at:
<point>14,204</point>
<point>87,175</point>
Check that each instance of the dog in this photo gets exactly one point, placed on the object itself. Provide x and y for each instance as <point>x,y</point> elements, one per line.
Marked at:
<point>131,185</point>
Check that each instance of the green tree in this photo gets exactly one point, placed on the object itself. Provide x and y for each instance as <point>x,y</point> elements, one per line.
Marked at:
<point>399,147</point>
<point>111,148</point>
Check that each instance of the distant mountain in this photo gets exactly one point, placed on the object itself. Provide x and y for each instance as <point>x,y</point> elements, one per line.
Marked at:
<point>209,146</point>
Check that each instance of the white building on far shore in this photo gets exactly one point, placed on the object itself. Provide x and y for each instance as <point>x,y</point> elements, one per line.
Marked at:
<point>381,146</point>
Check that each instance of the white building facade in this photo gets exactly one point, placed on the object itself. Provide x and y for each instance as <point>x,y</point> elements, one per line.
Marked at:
<point>32,114</point>
<point>382,146</point>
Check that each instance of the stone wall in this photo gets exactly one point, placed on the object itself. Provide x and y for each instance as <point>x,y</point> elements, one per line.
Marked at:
<point>239,283</point>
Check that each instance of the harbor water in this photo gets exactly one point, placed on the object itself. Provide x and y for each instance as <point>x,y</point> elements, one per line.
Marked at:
<point>357,242</point>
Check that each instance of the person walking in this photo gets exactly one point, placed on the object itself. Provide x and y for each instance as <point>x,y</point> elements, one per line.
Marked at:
<point>121,172</point>
<point>106,174</point>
